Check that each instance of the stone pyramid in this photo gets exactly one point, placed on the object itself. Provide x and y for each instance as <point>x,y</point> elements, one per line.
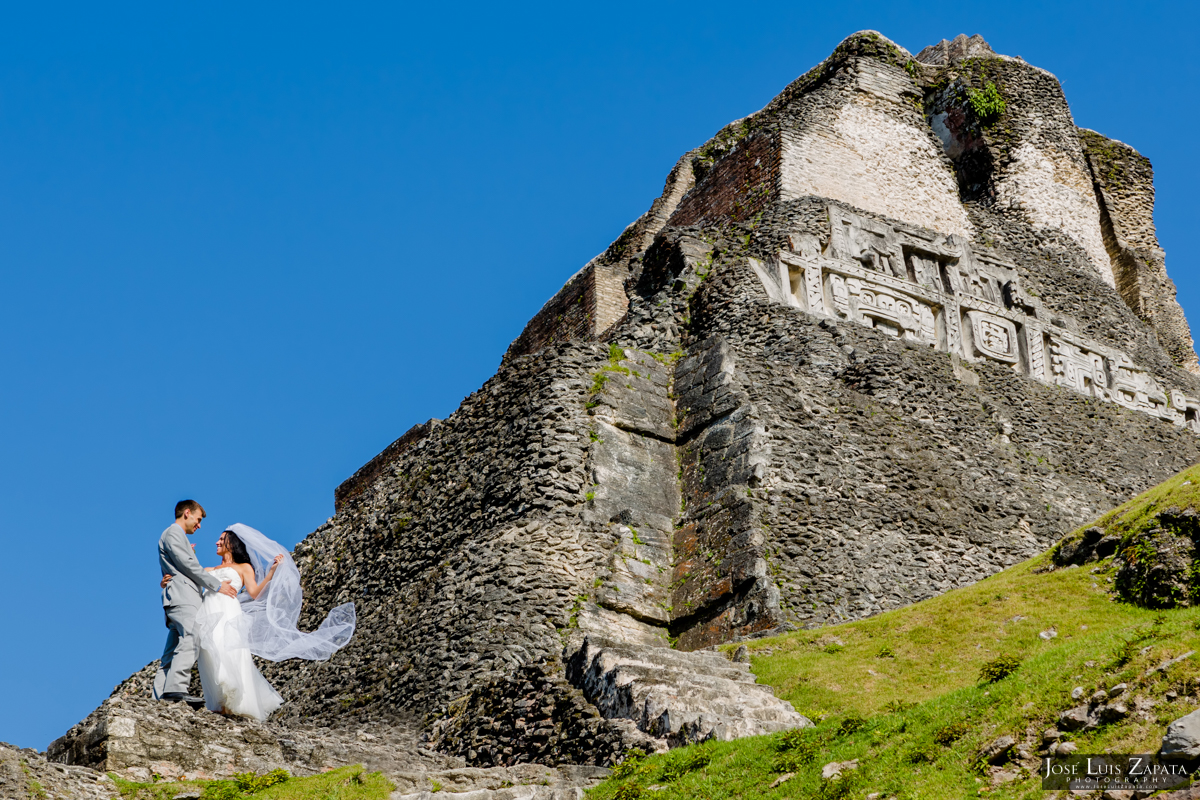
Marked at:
<point>903,327</point>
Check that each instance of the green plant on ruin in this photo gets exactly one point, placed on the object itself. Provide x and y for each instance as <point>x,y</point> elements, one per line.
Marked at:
<point>615,355</point>
<point>35,789</point>
<point>987,103</point>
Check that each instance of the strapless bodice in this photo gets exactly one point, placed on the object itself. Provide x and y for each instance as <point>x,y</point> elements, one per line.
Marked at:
<point>228,574</point>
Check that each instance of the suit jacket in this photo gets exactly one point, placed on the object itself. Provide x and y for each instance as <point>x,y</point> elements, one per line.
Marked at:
<point>175,558</point>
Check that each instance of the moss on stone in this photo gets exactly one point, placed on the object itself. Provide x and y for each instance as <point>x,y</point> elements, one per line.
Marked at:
<point>1112,161</point>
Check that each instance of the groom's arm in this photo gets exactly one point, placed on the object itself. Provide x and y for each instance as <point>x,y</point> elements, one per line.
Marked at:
<point>184,559</point>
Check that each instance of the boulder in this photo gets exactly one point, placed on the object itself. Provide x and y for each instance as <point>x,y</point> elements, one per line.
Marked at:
<point>998,750</point>
<point>1073,719</point>
<point>1182,740</point>
<point>834,769</point>
<point>1112,712</point>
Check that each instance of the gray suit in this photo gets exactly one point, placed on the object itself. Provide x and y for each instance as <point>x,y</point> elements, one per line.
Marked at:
<point>181,601</point>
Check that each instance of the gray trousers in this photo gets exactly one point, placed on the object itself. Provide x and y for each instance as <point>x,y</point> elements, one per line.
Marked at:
<point>179,655</point>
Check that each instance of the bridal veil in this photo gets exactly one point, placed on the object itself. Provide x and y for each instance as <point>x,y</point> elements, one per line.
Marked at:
<point>273,634</point>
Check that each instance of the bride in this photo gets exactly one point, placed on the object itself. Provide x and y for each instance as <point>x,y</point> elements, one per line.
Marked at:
<point>262,622</point>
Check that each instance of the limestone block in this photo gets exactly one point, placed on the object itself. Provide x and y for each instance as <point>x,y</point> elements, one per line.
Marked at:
<point>1181,742</point>
<point>680,698</point>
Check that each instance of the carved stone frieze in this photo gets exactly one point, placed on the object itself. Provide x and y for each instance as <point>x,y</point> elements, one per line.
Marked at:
<point>1077,367</point>
<point>930,289</point>
<point>993,337</point>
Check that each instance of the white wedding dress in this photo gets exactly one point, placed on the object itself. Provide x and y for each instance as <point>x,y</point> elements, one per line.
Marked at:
<point>232,683</point>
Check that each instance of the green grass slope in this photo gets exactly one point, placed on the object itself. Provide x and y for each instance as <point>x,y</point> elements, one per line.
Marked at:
<point>902,692</point>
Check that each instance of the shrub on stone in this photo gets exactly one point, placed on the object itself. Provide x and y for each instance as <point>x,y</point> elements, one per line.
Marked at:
<point>999,668</point>
<point>841,786</point>
<point>987,103</point>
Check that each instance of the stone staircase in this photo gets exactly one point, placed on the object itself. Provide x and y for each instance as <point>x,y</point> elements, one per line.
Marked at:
<point>677,697</point>
<point>519,782</point>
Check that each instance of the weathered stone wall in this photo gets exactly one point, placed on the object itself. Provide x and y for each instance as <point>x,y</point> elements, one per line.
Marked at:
<point>357,483</point>
<point>738,186</point>
<point>136,738</point>
<point>862,139</point>
<point>27,774</point>
<point>1029,158</point>
<point>534,717</point>
<point>465,556</point>
<point>1124,183</point>
<point>587,305</point>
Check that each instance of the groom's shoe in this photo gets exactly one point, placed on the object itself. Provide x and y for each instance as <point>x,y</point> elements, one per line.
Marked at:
<point>180,697</point>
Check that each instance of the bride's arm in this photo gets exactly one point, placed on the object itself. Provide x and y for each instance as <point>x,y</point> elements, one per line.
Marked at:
<point>253,588</point>
<point>167,578</point>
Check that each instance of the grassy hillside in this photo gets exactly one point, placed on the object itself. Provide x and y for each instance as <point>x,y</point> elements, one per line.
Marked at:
<point>901,693</point>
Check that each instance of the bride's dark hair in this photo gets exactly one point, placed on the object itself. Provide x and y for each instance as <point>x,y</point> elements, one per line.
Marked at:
<point>236,548</point>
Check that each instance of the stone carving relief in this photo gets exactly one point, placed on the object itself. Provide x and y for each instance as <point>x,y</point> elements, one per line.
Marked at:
<point>923,287</point>
<point>1134,388</point>
<point>993,337</point>
<point>1078,368</point>
<point>895,313</point>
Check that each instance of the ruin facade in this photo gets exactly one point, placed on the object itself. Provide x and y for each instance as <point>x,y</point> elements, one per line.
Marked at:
<point>902,328</point>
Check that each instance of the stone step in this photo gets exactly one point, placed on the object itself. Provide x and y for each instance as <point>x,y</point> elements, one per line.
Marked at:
<point>519,782</point>
<point>677,697</point>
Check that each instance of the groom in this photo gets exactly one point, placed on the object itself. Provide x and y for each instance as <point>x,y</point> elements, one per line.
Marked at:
<point>181,601</point>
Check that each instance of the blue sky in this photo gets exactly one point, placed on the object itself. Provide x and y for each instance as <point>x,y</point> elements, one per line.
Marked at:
<point>243,247</point>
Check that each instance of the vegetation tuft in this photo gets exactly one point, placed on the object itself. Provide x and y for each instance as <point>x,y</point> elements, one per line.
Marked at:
<point>987,103</point>
<point>999,668</point>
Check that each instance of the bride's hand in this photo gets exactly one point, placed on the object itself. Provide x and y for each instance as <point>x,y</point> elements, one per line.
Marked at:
<point>163,584</point>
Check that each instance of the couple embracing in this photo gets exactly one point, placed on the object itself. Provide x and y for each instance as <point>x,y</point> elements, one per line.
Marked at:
<point>249,606</point>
